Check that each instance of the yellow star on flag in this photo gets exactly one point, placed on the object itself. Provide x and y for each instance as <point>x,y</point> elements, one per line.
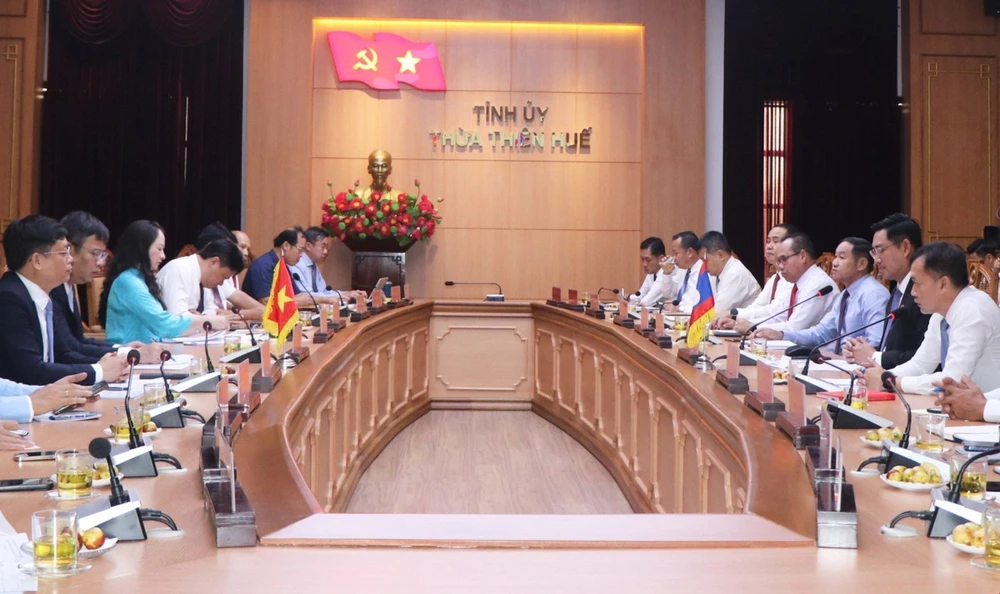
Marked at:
<point>408,62</point>
<point>283,299</point>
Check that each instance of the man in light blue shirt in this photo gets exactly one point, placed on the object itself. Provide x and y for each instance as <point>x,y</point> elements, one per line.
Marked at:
<point>21,402</point>
<point>309,265</point>
<point>861,303</point>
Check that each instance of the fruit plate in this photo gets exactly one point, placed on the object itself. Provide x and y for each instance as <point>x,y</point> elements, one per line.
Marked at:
<point>873,444</point>
<point>965,548</point>
<point>115,440</point>
<point>911,486</point>
<point>85,553</point>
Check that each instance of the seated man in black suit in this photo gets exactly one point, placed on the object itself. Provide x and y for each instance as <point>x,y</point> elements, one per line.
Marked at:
<point>897,237</point>
<point>40,259</point>
<point>88,238</point>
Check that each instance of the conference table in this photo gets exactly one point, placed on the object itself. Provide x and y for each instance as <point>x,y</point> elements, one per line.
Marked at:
<point>723,499</point>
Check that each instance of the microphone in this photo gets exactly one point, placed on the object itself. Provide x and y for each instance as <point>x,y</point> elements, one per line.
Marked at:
<point>183,412</point>
<point>207,326</point>
<point>298,279</point>
<point>821,293</point>
<point>164,357</point>
<point>615,291</point>
<point>956,482</point>
<point>497,297</point>
<point>791,352</point>
<point>133,435</point>
<point>340,296</point>
<point>905,441</point>
<point>100,449</point>
<point>253,341</point>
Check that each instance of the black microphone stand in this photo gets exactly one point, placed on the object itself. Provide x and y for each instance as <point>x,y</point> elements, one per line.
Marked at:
<point>207,327</point>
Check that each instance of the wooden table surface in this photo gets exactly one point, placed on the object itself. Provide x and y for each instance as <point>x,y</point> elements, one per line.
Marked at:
<point>193,562</point>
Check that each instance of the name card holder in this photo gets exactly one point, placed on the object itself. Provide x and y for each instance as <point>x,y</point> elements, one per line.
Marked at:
<point>298,353</point>
<point>360,311</point>
<point>395,297</point>
<point>731,379</point>
<point>660,336</point>
<point>572,302</point>
<point>247,398</point>
<point>556,297</point>
<point>762,401</point>
<point>270,372</point>
<point>406,300</point>
<point>595,310</point>
<point>321,336</point>
<point>644,326</point>
<point>793,422</point>
<point>378,302</point>
<point>623,319</point>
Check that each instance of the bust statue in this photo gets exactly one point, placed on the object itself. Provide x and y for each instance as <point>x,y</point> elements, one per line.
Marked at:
<point>379,167</point>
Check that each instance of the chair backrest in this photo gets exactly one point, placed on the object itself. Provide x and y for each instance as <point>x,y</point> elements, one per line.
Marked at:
<point>825,261</point>
<point>982,277</point>
<point>187,250</point>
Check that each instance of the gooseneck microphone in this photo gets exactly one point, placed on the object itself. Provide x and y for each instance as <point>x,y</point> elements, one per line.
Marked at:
<point>100,449</point>
<point>164,357</point>
<point>956,482</point>
<point>207,327</point>
<point>298,279</point>
<point>133,435</point>
<point>811,356</point>
<point>892,382</point>
<point>453,283</point>
<point>615,291</point>
<point>821,293</point>
<point>253,341</point>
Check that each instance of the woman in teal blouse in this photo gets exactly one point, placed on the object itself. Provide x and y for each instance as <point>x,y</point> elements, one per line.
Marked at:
<point>131,308</point>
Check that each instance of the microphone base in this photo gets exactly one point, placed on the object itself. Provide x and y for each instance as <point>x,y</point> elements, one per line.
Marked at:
<point>205,382</point>
<point>299,355</point>
<point>266,378</point>
<point>734,385</point>
<point>802,434</point>
<point>134,463</point>
<point>578,307</point>
<point>497,298</point>
<point>117,521</point>
<point>624,322</point>
<point>598,313</point>
<point>664,341</point>
<point>321,337</point>
<point>768,409</point>
<point>948,516</point>
<point>357,317</point>
<point>167,416</point>
<point>848,417</point>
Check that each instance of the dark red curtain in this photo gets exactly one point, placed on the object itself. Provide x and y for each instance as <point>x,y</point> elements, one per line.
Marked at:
<point>146,123</point>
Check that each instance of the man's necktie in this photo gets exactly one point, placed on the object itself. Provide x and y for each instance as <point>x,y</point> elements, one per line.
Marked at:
<point>791,300</point>
<point>774,287</point>
<point>687,277</point>
<point>315,287</point>
<point>840,320</point>
<point>945,341</point>
<point>50,354</point>
<point>892,306</point>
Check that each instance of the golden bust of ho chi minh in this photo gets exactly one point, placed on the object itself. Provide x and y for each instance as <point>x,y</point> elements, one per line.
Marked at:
<point>379,167</point>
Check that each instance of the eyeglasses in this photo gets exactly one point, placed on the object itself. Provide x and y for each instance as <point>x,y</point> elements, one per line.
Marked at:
<point>66,253</point>
<point>99,255</point>
<point>879,250</point>
<point>783,259</point>
<point>301,248</point>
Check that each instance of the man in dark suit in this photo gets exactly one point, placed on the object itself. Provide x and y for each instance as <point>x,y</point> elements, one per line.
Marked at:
<point>40,259</point>
<point>896,239</point>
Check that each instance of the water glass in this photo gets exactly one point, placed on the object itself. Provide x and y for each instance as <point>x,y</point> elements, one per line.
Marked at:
<point>859,397</point>
<point>991,530</point>
<point>930,431</point>
<point>54,541</point>
<point>74,473</point>
<point>974,480</point>
<point>154,394</point>
<point>758,346</point>
<point>231,343</point>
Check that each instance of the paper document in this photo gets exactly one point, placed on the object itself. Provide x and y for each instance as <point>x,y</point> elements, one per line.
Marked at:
<point>11,578</point>
<point>196,339</point>
<point>178,362</point>
<point>116,391</point>
<point>976,432</point>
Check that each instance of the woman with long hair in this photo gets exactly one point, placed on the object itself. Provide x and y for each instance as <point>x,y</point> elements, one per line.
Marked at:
<point>131,307</point>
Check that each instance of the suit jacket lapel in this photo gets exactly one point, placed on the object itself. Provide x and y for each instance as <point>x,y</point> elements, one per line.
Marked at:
<point>22,293</point>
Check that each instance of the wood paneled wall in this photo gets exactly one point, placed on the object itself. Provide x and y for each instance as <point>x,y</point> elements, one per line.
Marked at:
<point>526,221</point>
<point>950,134</point>
<point>20,111</point>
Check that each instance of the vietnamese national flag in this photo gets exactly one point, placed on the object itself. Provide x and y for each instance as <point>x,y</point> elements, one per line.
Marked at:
<point>281,313</point>
<point>384,63</point>
<point>703,312</point>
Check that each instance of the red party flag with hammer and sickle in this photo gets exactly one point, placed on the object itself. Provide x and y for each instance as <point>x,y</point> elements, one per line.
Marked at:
<point>384,63</point>
<point>281,313</point>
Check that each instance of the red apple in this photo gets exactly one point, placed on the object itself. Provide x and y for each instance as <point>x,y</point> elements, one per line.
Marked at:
<point>93,538</point>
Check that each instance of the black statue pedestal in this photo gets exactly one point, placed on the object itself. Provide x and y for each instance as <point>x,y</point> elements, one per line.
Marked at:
<point>375,258</point>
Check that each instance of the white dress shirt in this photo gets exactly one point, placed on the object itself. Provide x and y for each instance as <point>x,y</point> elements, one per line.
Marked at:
<point>180,286</point>
<point>902,286</point>
<point>805,314</point>
<point>651,291</point>
<point>41,300</point>
<point>771,293</point>
<point>734,287</point>
<point>689,294</point>
<point>974,350</point>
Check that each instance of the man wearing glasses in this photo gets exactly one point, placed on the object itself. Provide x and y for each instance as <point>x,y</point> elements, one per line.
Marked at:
<point>290,245</point>
<point>41,260</point>
<point>896,239</point>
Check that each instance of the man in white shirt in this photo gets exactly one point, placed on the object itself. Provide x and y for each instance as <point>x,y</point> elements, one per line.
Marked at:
<point>963,335</point>
<point>653,255</point>
<point>183,281</point>
<point>776,288</point>
<point>309,265</point>
<point>732,284</point>
<point>796,256</point>
<point>684,247</point>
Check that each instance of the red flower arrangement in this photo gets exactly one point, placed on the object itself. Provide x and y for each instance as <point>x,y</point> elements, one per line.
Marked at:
<point>405,218</point>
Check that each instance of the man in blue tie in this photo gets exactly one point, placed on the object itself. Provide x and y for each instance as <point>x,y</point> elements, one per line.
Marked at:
<point>40,259</point>
<point>862,301</point>
<point>310,264</point>
<point>963,335</point>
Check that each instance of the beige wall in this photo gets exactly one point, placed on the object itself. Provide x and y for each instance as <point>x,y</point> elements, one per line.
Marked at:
<point>20,111</point>
<point>950,131</point>
<point>304,127</point>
